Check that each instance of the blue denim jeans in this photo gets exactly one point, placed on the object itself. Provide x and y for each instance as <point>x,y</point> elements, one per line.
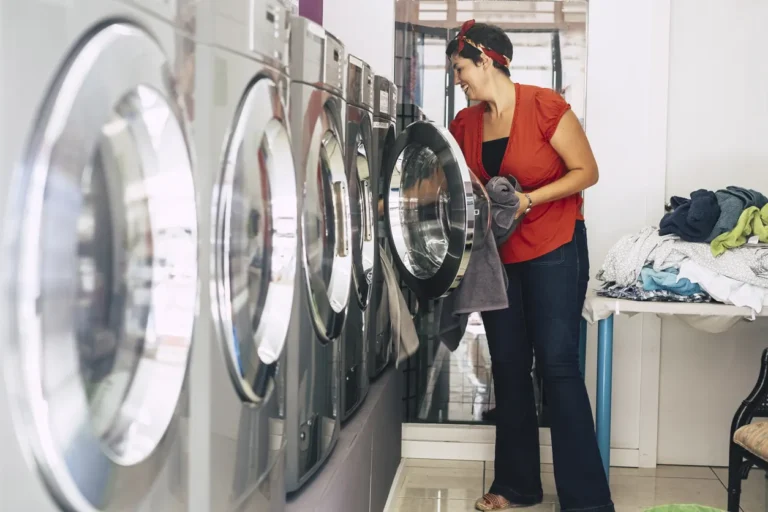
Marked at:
<point>546,296</point>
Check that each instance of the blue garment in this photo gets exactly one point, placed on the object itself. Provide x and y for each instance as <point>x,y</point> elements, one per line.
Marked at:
<point>692,220</point>
<point>546,295</point>
<point>666,280</point>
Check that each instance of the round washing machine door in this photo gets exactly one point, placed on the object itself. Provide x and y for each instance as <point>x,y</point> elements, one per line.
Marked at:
<point>361,201</point>
<point>103,255</point>
<point>326,224</point>
<point>430,209</point>
<point>256,240</point>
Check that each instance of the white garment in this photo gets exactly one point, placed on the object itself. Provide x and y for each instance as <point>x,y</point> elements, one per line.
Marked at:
<point>631,253</point>
<point>745,264</point>
<point>724,289</point>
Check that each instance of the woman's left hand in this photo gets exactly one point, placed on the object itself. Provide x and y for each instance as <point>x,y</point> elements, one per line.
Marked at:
<point>523,205</point>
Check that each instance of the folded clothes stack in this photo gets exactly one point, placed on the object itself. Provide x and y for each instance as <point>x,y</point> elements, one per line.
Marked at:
<point>712,246</point>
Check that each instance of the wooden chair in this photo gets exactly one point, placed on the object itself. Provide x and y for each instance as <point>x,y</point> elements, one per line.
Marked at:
<point>749,441</point>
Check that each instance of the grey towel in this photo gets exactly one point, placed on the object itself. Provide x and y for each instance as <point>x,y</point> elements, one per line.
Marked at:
<point>733,201</point>
<point>404,336</point>
<point>452,326</point>
<point>751,197</point>
<point>504,206</point>
<point>484,286</point>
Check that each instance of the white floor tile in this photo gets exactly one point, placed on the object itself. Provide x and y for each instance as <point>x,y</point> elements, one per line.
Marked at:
<point>442,483</point>
<point>449,505</point>
<point>446,486</point>
<point>545,468</point>
<point>753,489</point>
<point>638,491</point>
<point>437,463</point>
<point>704,473</point>
<point>547,484</point>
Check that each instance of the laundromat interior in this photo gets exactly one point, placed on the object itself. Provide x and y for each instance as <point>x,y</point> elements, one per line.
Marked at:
<point>248,250</point>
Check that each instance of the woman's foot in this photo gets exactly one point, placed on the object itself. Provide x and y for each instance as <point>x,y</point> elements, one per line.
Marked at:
<point>495,502</point>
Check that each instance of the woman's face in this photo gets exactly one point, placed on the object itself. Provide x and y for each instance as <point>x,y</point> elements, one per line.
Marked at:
<point>472,78</point>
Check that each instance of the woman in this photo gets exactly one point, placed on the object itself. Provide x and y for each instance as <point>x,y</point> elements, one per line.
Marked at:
<point>532,134</point>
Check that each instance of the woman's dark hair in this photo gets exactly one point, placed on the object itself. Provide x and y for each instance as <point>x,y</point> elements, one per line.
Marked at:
<point>491,37</point>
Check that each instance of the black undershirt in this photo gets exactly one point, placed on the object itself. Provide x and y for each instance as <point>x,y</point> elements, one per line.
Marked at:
<point>493,155</point>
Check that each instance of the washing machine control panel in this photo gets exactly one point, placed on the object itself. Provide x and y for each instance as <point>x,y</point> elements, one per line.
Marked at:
<point>384,97</point>
<point>317,57</point>
<point>270,30</point>
<point>359,83</point>
<point>335,62</point>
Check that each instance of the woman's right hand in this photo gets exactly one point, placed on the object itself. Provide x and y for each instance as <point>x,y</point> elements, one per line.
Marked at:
<point>523,204</point>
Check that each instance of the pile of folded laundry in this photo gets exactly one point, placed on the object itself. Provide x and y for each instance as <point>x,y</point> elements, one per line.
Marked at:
<point>712,246</point>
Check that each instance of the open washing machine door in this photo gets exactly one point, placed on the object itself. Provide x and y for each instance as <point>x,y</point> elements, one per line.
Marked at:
<point>429,206</point>
<point>255,245</point>
<point>103,256</point>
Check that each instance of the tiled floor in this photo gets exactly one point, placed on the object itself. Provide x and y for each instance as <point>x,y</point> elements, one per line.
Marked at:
<point>453,486</point>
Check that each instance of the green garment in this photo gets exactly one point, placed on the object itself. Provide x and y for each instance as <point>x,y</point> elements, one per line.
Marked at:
<point>682,508</point>
<point>752,222</point>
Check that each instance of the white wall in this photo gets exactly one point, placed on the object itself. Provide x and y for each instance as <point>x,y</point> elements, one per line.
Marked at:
<point>625,123</point>
<point>676,100</point>
<point>717,136</point>
<point>367,29</point>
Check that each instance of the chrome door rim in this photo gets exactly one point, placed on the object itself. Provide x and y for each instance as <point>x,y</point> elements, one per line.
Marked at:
<point>361,193</point>
<point>114,62</point>
<point>448,274</point>
<point>254,125</point>
<point>328,303</point>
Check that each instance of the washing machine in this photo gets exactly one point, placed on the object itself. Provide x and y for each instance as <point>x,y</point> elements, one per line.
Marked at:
<point>359,156</point>
<point>380,349</point>
<point>432,205</point>
<point>317,111</point>
<point>98,281</point>
<point>246,148</point>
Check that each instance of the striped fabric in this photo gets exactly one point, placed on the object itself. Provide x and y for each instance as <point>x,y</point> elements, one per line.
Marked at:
<point>754,439</point>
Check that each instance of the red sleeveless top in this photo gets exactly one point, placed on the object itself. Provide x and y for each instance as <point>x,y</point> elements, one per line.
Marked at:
<point>532,160</point>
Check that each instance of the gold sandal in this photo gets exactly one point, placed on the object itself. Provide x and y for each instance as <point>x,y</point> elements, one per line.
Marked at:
<point>492,502</point>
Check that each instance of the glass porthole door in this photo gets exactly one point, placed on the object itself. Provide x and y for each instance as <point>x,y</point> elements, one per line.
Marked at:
<point>103,255</point>
<point>326,229</point>
<point>429,207</point>
<point>256,240</point>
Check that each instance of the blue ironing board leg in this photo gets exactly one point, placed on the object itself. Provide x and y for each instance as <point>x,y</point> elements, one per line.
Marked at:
<point>583,348</point>
<point>604,387</point>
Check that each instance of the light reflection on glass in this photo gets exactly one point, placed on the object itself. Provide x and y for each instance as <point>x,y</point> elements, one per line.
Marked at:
<point>248,256</point>
<point>424,215</point>
<point>319,217</point>
<point>137,274</point>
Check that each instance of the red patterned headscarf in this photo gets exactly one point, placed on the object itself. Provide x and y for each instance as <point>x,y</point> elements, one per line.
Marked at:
<point>495,56</point>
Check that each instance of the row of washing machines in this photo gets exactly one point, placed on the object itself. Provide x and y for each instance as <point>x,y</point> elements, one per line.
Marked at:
<point>196,195</point>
